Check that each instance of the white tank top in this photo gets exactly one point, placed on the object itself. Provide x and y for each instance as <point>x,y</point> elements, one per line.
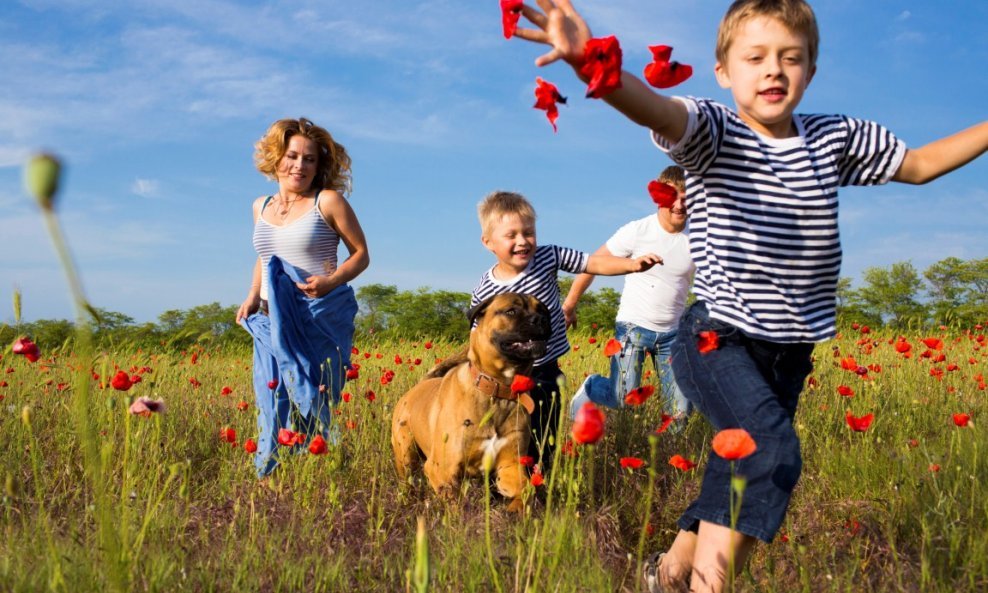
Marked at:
<point>308,243</point>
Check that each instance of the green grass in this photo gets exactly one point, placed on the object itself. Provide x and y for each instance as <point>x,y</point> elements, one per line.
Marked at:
<point>95,499</point>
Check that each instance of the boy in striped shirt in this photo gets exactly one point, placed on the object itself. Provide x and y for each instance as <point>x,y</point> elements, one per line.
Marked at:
<point>762,192</point>
<point>507,221</point>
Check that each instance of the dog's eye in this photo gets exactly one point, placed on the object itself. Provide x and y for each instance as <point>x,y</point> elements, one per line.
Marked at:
<point>510,312</point>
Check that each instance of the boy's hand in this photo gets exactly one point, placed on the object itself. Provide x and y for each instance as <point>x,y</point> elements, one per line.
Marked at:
<point>645,262</point>
<point>560,26</point>
<point>569,314</point>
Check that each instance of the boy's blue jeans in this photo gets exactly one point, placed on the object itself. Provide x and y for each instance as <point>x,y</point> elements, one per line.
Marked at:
<point>626,371</point>
<point>750,384</point>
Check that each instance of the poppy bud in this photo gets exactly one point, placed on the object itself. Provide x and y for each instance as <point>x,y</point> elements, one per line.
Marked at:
<point>41,179</point>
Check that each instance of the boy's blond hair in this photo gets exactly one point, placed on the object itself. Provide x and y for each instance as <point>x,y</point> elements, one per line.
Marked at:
<point>499,203</point>
<point>796,15</point>
<point>675,176</point>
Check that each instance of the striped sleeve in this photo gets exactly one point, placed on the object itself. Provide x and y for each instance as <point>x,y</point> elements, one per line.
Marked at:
<point>872,154</point>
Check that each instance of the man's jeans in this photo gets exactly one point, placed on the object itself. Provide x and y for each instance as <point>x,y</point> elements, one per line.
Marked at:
<point>626,370</point>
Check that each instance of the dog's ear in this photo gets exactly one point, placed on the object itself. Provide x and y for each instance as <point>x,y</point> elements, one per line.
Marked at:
<point>478,309</point>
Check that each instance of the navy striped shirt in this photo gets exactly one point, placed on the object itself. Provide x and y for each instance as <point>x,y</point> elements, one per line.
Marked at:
<point>763,214</point>
<point>539,279</point>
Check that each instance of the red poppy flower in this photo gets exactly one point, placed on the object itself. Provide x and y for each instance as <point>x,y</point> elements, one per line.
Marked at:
<point>666,421</point>
<point>707,341</point>
<point>521,384</point>
<point>290,438</point>
<point>428,345</point>
<point>612,347</point>
<point>934,467</point>
<point>962,419</point>
<point>121,381</point>
<point>849,364</point>
<point>354,351</point>
<point>602,65</point>
<point>632,462</point>
<point>346,396</point>
<point>680,462</point>
<point>588,426</point>
<point>592,340</point>
<point>228,435</point>
<point>352,374</point>
<point>318,445</point>
<point>144,406</point>
<point>242,406</point>
<point>859,423</point>
<point>663,194</point>
<point>933,343</point>
<point>663,74</point>
<point>195,382</point>
<point>546,98</point>
<point>902,346</point>
<point>510,13</point>
<point>733,443</point>
<point>250,446</point>
<point>370,395</point>
<point>537,479</point>
<point>637,396</point>
<point>845,391</point>
<point>526,460</point>
<point>135,379</point>
<point>28,349</point>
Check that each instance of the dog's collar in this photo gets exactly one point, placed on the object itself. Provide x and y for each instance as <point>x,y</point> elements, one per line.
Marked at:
<point>491,387</point>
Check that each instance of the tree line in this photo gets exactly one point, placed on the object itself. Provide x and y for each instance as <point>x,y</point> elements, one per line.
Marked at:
<point>951,292</point>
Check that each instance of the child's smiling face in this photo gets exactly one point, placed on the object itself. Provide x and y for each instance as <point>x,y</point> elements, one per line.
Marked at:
<point>767,69</point>
<point>512,240</point>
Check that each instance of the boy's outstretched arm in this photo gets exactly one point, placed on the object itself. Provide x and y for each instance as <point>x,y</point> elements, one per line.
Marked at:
<point>580,285</point>
<point>563,29</point>
<point>926,163</point>
<point>610,265</point>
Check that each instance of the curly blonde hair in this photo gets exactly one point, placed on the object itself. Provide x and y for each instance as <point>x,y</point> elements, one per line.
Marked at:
<point>333,169</point>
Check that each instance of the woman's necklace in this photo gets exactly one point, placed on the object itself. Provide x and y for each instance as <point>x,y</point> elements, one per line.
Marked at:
<point>286,206</point>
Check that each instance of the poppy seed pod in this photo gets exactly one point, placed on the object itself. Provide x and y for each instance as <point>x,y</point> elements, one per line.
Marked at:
<point>41,179</point>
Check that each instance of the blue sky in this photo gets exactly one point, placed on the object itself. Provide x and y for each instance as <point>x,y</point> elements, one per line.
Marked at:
<point>154,105</point>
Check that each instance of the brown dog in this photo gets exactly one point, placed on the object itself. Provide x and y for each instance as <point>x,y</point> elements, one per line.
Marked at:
<point>465,410</point>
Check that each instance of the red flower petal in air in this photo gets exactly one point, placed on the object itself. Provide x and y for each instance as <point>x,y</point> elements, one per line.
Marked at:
<point>662,73</point>
<point>318,445</point>
<point>546,97</point>
<point>28,349</point>
<point>121,381</point>
<point>680,462</point>
<point>510,13</point>
<point>521,384</point>
<point>602,65</point>
<point>707,341</point>
<point>859,423</point>
<point>663,194</point>
<point>632,462</point>
<point>962,419</point>
<point>733,443</point>
<point>612,347</point>
<point>588,426</point>
<point>273,383</point>
<point>637,397</point>
<point>666,421</point>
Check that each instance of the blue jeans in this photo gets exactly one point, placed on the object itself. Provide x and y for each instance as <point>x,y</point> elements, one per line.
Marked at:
<point>626,371</point>
<point>750,384</point>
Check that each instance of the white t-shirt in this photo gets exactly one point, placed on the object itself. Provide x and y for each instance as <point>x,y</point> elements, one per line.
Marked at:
<point>654,299</point>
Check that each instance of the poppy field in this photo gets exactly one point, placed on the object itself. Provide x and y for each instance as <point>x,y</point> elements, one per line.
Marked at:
<point>131,470</point>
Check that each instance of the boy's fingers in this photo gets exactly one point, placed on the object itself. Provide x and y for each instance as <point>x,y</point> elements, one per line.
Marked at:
<point>535,17</point>
<point>535,35</point>
<point>545,5</point>
<point>548,58</point>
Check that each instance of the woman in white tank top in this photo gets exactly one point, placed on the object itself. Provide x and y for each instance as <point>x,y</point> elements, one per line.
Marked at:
<point>299,307</point>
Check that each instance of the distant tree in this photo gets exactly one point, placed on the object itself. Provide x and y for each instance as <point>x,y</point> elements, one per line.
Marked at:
<point>370,299</point>
<point>958,291</point>
<point>852,309</point>
<point>425,313</point>
<point>893,295</point>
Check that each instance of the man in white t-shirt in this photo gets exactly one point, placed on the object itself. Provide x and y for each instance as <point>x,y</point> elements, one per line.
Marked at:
<point>651,304</point>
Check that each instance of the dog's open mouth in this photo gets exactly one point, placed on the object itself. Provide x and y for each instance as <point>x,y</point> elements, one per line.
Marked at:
<point>525,349</point>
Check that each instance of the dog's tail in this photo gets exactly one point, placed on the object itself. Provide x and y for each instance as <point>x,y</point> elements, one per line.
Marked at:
<point>449,363</point>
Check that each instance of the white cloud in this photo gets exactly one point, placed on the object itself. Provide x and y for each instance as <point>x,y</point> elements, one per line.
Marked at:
<point>146,188</point>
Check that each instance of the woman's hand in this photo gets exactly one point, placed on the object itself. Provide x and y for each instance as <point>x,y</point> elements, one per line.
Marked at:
<point>317,286</point>
<point>250,306</point>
